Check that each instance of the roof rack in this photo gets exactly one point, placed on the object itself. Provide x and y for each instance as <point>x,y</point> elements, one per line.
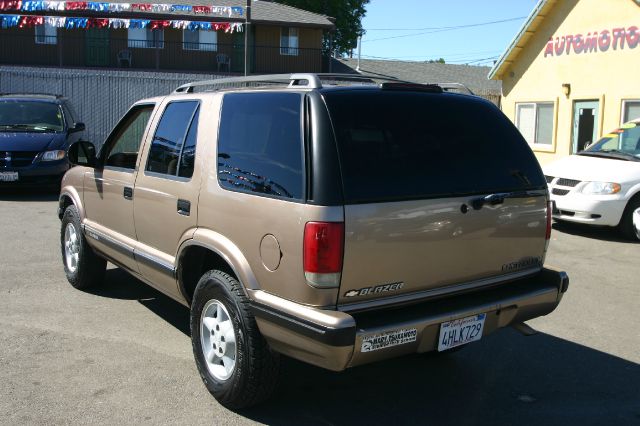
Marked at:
<point>454,87</point>
<point>299,80</point>
<point>49,95</point>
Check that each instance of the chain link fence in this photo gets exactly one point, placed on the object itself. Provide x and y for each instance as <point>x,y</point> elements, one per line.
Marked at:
<point>100,97</point>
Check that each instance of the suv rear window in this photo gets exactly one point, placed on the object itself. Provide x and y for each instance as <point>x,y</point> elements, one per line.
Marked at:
<point>260,148</point>
<point>410,145</point>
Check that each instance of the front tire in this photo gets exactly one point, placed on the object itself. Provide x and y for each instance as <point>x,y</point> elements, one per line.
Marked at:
<point>234,360</point>
<point>83,267</point>
<point>630,223</point>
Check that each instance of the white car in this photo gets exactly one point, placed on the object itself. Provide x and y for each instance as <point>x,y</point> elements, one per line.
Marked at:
<point>600,185</point>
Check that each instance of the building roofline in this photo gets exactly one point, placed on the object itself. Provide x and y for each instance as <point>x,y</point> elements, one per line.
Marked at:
<point>497,68</point>
<point>328,23</point>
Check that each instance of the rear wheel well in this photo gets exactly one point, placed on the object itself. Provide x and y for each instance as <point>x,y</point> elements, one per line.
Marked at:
<point>194,261</point>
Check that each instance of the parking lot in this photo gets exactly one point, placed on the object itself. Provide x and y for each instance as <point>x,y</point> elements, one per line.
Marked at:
<point>123,353</point>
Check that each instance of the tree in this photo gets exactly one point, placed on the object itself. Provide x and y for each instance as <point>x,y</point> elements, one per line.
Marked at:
<point>348,16</point>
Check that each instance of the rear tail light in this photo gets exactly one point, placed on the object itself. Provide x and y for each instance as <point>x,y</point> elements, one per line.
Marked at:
<point>322,251</point>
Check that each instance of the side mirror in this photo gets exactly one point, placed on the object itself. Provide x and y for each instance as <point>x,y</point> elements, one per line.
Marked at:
<point>77,127</point>
<point>82,153</point>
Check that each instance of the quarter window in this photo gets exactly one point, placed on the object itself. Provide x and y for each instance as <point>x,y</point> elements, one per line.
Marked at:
<point>535,122</point>
<point>199,40</point>
<point>289,41</point>
<point>167,145</point>
<point>123,144</point>
<point>260,148</point>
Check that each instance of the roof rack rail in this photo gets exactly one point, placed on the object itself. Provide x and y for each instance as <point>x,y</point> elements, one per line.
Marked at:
<point>452,87</point>
<point>304,80</point>
<point>51,95</point>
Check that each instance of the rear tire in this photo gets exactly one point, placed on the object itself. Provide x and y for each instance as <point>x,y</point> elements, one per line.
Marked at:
<point>83,267</point>
<point>630,222</point>
<point>234,360</point>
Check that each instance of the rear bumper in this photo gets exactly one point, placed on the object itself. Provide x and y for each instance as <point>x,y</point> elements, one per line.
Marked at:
<point>333,339</point>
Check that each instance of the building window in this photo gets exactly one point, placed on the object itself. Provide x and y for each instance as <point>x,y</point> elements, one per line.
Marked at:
<point>146,38</point>
<point>535,122</point>
<point>630,110</point>
<point>46,34</point>
<point>289,41</point>
<point>200,40</point>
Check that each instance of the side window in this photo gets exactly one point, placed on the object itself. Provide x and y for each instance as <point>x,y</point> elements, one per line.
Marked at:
<point>260,147</point>
<point>123,144</point>
<point>69,118</point>
<point>74,114</point>
<point>170,136</point>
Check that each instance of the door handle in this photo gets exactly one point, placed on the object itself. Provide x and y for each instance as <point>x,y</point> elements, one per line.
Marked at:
<point>184,207</point>
<point>128,193</point>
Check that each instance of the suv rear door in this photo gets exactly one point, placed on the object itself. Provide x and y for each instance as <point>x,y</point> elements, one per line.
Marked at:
<point>413,165</point>
<point>167,187</point>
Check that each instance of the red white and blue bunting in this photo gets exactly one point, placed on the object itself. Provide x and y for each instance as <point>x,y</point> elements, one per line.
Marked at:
<point>178,9</point>
<point>28,21</point>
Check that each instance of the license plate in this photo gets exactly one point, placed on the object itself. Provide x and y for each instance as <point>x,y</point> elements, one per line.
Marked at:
<point>8,176</point>
<point>461,331</point>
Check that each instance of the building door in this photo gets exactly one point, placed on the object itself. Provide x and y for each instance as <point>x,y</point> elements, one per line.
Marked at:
<point>585,124</point>
<point>237,58</point>
<point>97,47</point>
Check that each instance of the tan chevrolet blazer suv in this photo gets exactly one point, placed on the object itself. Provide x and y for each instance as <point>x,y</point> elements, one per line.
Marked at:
<point>332,219</point>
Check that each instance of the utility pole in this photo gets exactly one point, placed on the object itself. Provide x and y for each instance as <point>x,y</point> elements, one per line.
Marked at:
<point>359,51</point>
<point>247,23</point>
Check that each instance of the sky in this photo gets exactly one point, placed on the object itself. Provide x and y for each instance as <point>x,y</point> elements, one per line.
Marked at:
<point>414,30</point>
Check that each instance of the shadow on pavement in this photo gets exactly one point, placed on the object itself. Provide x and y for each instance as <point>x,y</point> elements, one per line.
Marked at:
<point>119,284</point>
<point>603,233</point>
<point>29,194</point>
<point>504,379</point>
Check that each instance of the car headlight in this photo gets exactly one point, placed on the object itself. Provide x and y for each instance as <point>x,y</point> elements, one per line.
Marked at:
<point>53,155</point>
<point>601,188</point>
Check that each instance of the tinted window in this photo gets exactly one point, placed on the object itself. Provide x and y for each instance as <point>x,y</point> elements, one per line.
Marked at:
<point>124,142</point>
<point>164,154</point>
<point>187,158</point>
<point>407,145</point>
<point>260,144</point>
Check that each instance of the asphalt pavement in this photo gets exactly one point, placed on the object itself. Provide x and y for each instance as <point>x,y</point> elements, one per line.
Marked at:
<point>122,354</point>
